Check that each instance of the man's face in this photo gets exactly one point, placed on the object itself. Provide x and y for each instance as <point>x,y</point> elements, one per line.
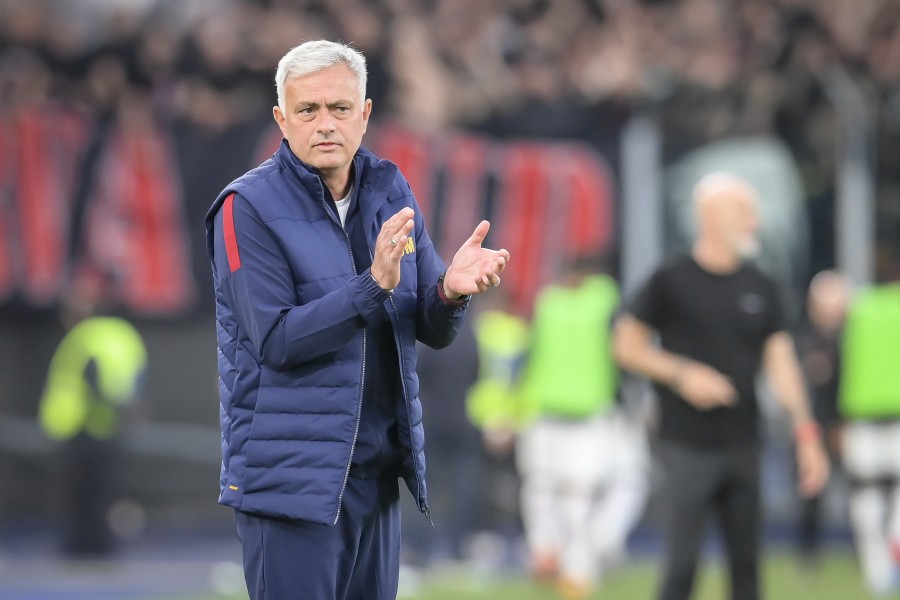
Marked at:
<point>745,226</point>
<point>324,118</point>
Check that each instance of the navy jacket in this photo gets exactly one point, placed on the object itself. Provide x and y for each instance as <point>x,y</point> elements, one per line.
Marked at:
<point>291,312</point>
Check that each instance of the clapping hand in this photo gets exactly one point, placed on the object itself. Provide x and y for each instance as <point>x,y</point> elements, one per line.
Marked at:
<point>474,269</point>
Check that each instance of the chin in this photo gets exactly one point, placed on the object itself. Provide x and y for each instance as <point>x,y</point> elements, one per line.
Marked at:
<point>750,249</point>
<point>328,162</point>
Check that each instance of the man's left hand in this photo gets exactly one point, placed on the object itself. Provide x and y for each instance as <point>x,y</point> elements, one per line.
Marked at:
<point>474,269</point>
<point>812,467</point>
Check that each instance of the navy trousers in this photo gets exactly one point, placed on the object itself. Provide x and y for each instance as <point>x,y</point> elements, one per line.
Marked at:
<point>357,559</point>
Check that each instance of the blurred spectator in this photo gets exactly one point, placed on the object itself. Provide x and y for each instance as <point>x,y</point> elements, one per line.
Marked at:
<point>869,401</point>
<point>455,464</point>
<point>515,68</point>
<point>493,406</point>
<point>94,380</point>
<point>576,521</point>
<point>492,402</point>
<point>719,322</point>
<point>818,346</point>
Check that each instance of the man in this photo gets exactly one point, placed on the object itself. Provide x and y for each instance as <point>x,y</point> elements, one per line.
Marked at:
<point>324,278</point>
<point>719,321</point>
<point>576,511</point>
<point>95,378</point>
<point>818,347</point>
<point>869,406</point>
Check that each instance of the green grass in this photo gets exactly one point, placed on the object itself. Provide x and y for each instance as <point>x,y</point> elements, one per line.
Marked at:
<point>837,577</point>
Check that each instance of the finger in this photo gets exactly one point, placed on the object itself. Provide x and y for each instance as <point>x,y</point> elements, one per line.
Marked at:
<point>404,228</point>
<point>723,390</point>
<point>402,215</point>
<point>703,403</point>
<point>811,482</point>
<point>393,225</point>
<point>723,399</point>
<point>731,395</point>
<point>394,222</point>
<point>499,264</point>
<point>398,249</point>
<point>481,231</point>
<point>397,239</point>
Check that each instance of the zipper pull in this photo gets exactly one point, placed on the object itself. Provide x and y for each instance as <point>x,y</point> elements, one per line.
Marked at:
<point>428,516</point>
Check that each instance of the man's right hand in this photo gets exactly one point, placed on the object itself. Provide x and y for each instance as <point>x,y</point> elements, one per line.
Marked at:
<point>389,247</point>
<point>704,387</point>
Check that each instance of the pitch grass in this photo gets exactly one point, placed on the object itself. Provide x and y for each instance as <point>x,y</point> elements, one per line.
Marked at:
<point>836,577</point>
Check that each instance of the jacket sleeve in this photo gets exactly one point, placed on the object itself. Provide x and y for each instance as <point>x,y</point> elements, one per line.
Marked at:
<point>256,283</point>
<point>436,320</point>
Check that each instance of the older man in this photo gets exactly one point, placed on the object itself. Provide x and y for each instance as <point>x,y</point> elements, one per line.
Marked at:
<point>325,277</point>
<point>719,321</point>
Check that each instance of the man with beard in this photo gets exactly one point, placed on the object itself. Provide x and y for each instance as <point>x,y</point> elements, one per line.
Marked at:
<point>719,322</point>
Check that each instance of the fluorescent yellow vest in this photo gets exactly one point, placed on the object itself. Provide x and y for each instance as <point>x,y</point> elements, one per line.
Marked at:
<point>502,339</point>
<point>870,366</point>
<point>70,405</point>
<point>570,371</point>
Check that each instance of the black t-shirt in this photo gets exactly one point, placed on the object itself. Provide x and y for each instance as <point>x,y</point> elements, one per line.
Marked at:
<point>722,321</point>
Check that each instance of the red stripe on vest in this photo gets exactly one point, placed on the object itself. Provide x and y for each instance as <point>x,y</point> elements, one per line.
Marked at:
<point>231,247</point>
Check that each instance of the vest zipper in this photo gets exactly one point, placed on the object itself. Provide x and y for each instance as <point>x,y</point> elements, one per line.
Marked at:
<point>362,373</point>
<point>423,505</point>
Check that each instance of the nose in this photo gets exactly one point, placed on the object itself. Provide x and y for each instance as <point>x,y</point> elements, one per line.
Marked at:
<point>325,122</point>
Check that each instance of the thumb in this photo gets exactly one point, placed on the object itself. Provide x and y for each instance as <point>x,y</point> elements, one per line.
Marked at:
<point>480,233</point>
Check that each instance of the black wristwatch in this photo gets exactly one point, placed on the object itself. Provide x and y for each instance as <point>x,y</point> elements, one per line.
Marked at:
<point>443,294</point>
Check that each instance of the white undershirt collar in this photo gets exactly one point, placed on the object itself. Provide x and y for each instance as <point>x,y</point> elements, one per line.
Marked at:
<point>343,205</point>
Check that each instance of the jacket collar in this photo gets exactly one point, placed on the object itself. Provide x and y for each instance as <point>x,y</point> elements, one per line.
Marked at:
<point>372,178</point>
<point>363,160</point>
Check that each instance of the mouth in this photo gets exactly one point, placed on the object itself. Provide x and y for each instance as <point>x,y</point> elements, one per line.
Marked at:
<point>327,145</point>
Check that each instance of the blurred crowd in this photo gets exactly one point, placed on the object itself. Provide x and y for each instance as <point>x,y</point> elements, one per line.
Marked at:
<point>707,69</point>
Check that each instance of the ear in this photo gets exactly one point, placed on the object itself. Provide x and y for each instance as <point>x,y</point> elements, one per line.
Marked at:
<point>279,118</point>
<point>367,112</point>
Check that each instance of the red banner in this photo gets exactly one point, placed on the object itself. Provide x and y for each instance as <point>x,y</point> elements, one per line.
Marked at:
<point>547,202</point>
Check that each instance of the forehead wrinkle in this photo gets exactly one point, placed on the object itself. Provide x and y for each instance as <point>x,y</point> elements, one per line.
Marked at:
<point>339,79</point>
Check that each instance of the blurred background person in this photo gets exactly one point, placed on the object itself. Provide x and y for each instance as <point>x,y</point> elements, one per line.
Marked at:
<point>869,401</point>
<point>93,383</point>
<point>818,347</point>
<point>455,462</point>
<point>493,406</point>
<point>567,449</point>
<point>719,322</point>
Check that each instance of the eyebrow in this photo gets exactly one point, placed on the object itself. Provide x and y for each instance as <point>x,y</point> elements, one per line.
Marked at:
<point>329,105</point>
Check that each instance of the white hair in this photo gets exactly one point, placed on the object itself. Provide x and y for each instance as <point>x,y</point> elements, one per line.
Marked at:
<point>714,184</point>
<point>317,55</point>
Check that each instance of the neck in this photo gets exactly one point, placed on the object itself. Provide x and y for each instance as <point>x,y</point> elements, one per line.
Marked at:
<point>715,258</point>
<point>338,184</point>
